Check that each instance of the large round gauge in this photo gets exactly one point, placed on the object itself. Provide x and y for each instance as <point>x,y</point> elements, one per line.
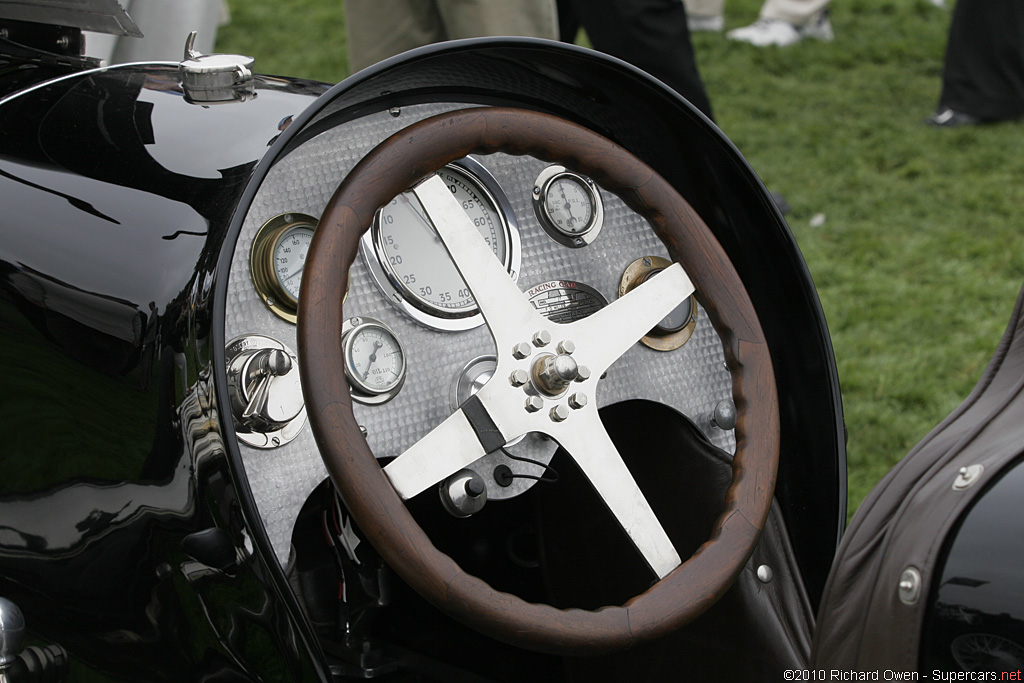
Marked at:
<point>374,360</point>
<point>410,264</point>
<point>277,258</point>
<point>568,206</point>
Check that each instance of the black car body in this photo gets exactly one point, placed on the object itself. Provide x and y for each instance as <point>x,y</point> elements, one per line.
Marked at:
<point>152,527</point>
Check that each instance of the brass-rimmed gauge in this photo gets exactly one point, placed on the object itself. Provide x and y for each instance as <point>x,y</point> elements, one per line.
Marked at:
<point>568,206</point>
<point>374,360</point>
<point>277,258</point>
<point>676,328</point>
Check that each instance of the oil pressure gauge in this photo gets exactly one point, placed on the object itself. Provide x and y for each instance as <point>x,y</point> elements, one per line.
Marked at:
<point>568,206</point>
<point>277,258</point>
<point>374,360</point>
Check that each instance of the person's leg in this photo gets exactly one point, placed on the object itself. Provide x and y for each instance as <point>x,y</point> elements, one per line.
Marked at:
<point>378,29</point>
<point>650,34</point>
<point>705,15</point>
<point>474,18</point>
<point>983,75</point>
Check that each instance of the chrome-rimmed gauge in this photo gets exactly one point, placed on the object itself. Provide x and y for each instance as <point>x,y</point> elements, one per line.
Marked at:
<point>676,328</point>
<point>568,206</point>
<point>409,263</point>
<point>277,258</point>
<point>374,360</point>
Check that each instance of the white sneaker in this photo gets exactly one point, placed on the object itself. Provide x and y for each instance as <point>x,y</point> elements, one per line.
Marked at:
<point>764,32</point>
<point>697,22</point>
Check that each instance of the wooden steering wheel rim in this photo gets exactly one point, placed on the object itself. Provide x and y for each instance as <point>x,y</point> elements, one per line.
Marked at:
<point>392,167</point>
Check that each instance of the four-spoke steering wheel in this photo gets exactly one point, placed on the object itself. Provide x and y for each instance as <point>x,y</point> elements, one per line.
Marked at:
<point>545,381</point>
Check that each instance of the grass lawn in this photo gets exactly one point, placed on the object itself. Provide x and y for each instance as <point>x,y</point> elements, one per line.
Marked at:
<point>921,253</point>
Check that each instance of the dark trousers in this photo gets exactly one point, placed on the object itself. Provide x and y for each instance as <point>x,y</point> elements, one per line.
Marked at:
<point>984,70</point>
<point>649,34</point>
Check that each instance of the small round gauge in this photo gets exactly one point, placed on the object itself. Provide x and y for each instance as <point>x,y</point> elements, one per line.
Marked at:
<point>676,328</point>
<point>568,206</point>
<point>409,261</point>
<point>374,361</point>
<point>277,258</point>
<point>680,316</point>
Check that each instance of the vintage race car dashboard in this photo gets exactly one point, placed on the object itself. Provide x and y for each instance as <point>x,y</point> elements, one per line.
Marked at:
<point>417,347</point>
<point>495,361</point>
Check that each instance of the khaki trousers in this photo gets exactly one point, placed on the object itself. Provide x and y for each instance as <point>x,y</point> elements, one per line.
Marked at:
<point>378,29</point>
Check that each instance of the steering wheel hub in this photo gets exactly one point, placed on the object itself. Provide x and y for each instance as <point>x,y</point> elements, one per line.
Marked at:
<point>552,373</point>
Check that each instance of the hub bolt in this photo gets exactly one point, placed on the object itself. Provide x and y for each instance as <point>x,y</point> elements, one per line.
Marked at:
<point>559,413</point>
<point>521,350</point>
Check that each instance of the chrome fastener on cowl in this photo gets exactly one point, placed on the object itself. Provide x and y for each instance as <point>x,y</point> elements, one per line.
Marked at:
<point>909,588</point>
<point>968,477</point>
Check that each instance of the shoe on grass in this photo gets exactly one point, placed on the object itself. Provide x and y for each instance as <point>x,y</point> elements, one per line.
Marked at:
<point>944,117</point>
<point>765,32</point>
<point>698,22</point>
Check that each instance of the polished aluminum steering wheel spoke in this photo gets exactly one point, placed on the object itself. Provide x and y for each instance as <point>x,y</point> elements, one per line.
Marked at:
<point>446,449</point>
<point>507,312</point>
<point>484,423</point>
<point>588,443</point>
<point>611,331</point>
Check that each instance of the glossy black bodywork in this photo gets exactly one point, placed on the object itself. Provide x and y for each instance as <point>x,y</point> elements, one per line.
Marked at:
<point>116,197</point>
<point>627,106</point>
<point>974,620</point>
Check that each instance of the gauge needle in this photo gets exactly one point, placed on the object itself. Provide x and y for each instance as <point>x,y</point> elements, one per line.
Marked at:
<point>373,357</point>
<point>297,272</point>
<point>568,206</point>
<point>418,210</point>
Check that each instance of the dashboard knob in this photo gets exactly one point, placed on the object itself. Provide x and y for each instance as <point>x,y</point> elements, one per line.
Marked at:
<point>265,391</point>
<point>724,415</point>
<point>463,493</point>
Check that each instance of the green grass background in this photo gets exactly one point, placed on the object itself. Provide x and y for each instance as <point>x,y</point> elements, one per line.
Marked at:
<point>921,253</point>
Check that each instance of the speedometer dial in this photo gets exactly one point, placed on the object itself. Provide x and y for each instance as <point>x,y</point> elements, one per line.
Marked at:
<point>410,263</point>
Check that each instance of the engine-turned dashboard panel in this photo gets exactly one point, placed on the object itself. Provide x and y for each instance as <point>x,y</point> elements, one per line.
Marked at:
<point>415,345</point>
